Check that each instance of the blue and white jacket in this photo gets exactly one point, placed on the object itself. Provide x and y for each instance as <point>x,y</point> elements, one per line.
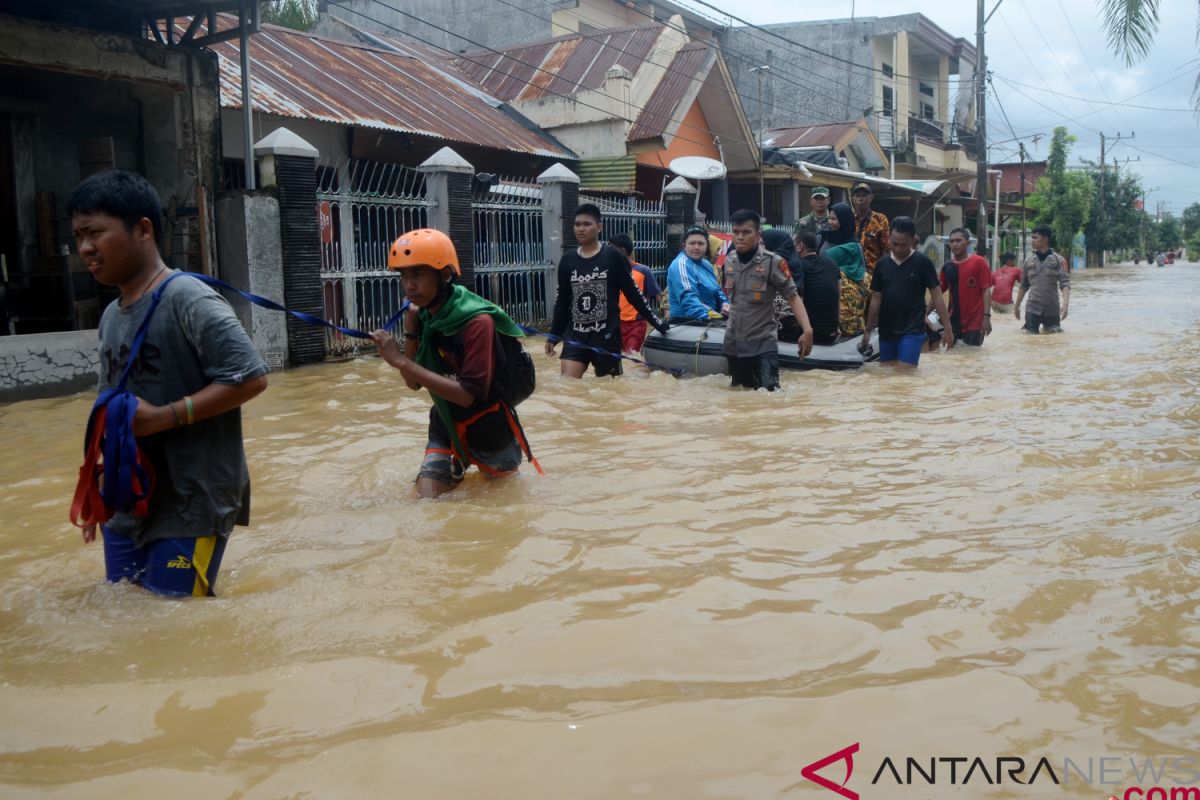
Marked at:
<point>693,289</point>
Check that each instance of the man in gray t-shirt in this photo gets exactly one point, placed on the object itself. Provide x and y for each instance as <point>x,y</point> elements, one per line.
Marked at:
<point>194,370</point>
<point>194,339</point>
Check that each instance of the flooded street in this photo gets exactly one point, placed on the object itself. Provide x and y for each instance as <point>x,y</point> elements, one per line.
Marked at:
<point>996,555</point>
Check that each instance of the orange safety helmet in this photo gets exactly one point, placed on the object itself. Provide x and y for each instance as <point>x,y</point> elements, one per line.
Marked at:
<point>424,247</point>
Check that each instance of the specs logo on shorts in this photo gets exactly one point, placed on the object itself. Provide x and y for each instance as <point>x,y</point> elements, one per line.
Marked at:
<point>179,562</point>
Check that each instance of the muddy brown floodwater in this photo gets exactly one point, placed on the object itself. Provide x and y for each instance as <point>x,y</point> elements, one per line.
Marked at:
<point>994,556</point>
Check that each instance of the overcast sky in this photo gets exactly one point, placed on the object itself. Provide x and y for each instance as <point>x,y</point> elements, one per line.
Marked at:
<point>1019,37</point>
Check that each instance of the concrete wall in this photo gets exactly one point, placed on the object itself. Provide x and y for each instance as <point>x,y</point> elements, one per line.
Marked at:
<point>252,259</point>
<point>487,22</point>
<point>329,138</point>
<point>802,87</point>
<point>159,105</point>
<point>48,364</point>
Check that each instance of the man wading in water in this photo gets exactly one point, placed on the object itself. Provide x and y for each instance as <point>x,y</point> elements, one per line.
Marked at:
<point>591,280</point>
<point>196,367</point>
<point>466,352</point>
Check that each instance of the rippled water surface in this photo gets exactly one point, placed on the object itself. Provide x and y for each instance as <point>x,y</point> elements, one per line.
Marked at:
<point>994,555</point>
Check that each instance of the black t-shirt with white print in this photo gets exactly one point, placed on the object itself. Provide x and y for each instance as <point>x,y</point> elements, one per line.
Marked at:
<point>588,305</point>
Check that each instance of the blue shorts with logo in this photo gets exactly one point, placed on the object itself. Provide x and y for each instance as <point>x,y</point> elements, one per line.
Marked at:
<point>170,567</point>
<point>907,348</point>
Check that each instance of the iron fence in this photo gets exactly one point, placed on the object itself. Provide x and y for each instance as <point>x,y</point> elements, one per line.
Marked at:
<point>363,206</point>
<point>511,264</point>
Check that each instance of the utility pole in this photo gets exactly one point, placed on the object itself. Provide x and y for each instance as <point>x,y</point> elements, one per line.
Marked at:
<point>1022,146</point>
<point>762,194</point>
<point>1115,139</point>
<point>981,181</point>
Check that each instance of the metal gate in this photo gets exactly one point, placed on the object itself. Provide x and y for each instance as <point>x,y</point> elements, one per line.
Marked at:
<point>363,206</point>
<point>511,266</point>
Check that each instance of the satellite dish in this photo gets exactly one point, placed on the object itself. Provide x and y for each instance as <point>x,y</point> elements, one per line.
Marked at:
<point>697,168</point>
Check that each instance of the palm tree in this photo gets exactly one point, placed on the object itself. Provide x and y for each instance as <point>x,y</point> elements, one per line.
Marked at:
<point>1131,26</point>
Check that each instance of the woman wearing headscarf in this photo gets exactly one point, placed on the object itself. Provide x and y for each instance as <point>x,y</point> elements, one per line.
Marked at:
<point>779,242</point>
<point>840,245</point>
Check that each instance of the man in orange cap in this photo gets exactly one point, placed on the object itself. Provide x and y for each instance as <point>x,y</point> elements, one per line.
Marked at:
<point>466,351</point>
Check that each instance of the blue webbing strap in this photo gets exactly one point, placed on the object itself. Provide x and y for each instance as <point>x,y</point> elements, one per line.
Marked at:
<point>395,318</point>
<point>597,350</point>
<point>300,315</point>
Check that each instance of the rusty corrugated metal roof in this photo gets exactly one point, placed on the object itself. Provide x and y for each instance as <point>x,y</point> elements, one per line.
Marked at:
<point>687,70</point>
<point>309,77</point>
<point>560,66</point>
<point>828,134</point>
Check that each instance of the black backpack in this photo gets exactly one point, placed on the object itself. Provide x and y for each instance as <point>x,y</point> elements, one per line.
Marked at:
<point>516,377</point>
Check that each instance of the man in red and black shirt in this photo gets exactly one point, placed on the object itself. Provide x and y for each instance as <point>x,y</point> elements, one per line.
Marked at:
<point>968,279</point>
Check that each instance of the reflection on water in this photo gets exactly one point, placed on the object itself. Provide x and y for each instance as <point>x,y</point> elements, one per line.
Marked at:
<point>996,555</point>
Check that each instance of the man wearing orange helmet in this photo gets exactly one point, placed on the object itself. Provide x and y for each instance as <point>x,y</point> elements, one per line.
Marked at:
<point>591,280</point>
<point>453,347</point>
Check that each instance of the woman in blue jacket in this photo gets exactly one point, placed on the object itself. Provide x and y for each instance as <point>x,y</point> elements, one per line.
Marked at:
<point>693,290</point>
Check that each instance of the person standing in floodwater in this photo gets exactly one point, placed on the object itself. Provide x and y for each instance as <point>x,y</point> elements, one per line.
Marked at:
<point>898,298</point>
<point>754,276</point>
<point>587,310</point>
<point>453,347</point>
<point>195,369</point>
<point>1043,275</point>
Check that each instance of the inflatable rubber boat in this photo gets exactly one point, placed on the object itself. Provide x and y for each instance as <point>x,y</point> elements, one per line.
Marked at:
<point>696,348</point>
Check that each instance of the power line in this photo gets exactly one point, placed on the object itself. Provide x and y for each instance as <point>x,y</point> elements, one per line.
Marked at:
<point>546,89</point>
<point>1094,101</point>
<point>730,53</point>
<point>803,46</point>
<point>1088,61</point>
<point>1014,86</point>
<point>1129,144</point>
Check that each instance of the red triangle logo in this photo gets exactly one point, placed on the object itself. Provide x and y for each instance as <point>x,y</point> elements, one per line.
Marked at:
<point>845,754</point>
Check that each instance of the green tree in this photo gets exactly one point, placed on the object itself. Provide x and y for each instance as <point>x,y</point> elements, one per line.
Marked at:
<point>299,15</point>
<point>1191,221</point>
<point>1131,26</point>
<point>1115,222</point>
<point>1170,233</point>
<point>1063,200</point>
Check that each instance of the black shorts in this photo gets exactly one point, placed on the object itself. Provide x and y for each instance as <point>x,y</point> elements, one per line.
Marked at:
<point>603,364</point>
<point>755,372</point>
<point>1051,322</point>
<point>973,338</point>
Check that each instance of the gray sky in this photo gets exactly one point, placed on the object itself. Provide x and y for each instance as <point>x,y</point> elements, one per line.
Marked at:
<point>1167,142</point>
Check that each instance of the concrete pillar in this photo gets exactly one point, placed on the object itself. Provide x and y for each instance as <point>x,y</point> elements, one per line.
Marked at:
<point>251,259</point>
<point>448,183</point>
<point>791,204</point>
<point>560,197</point>
<point>680,200</point>
<point>289,164</point>
<point>720,200</point>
